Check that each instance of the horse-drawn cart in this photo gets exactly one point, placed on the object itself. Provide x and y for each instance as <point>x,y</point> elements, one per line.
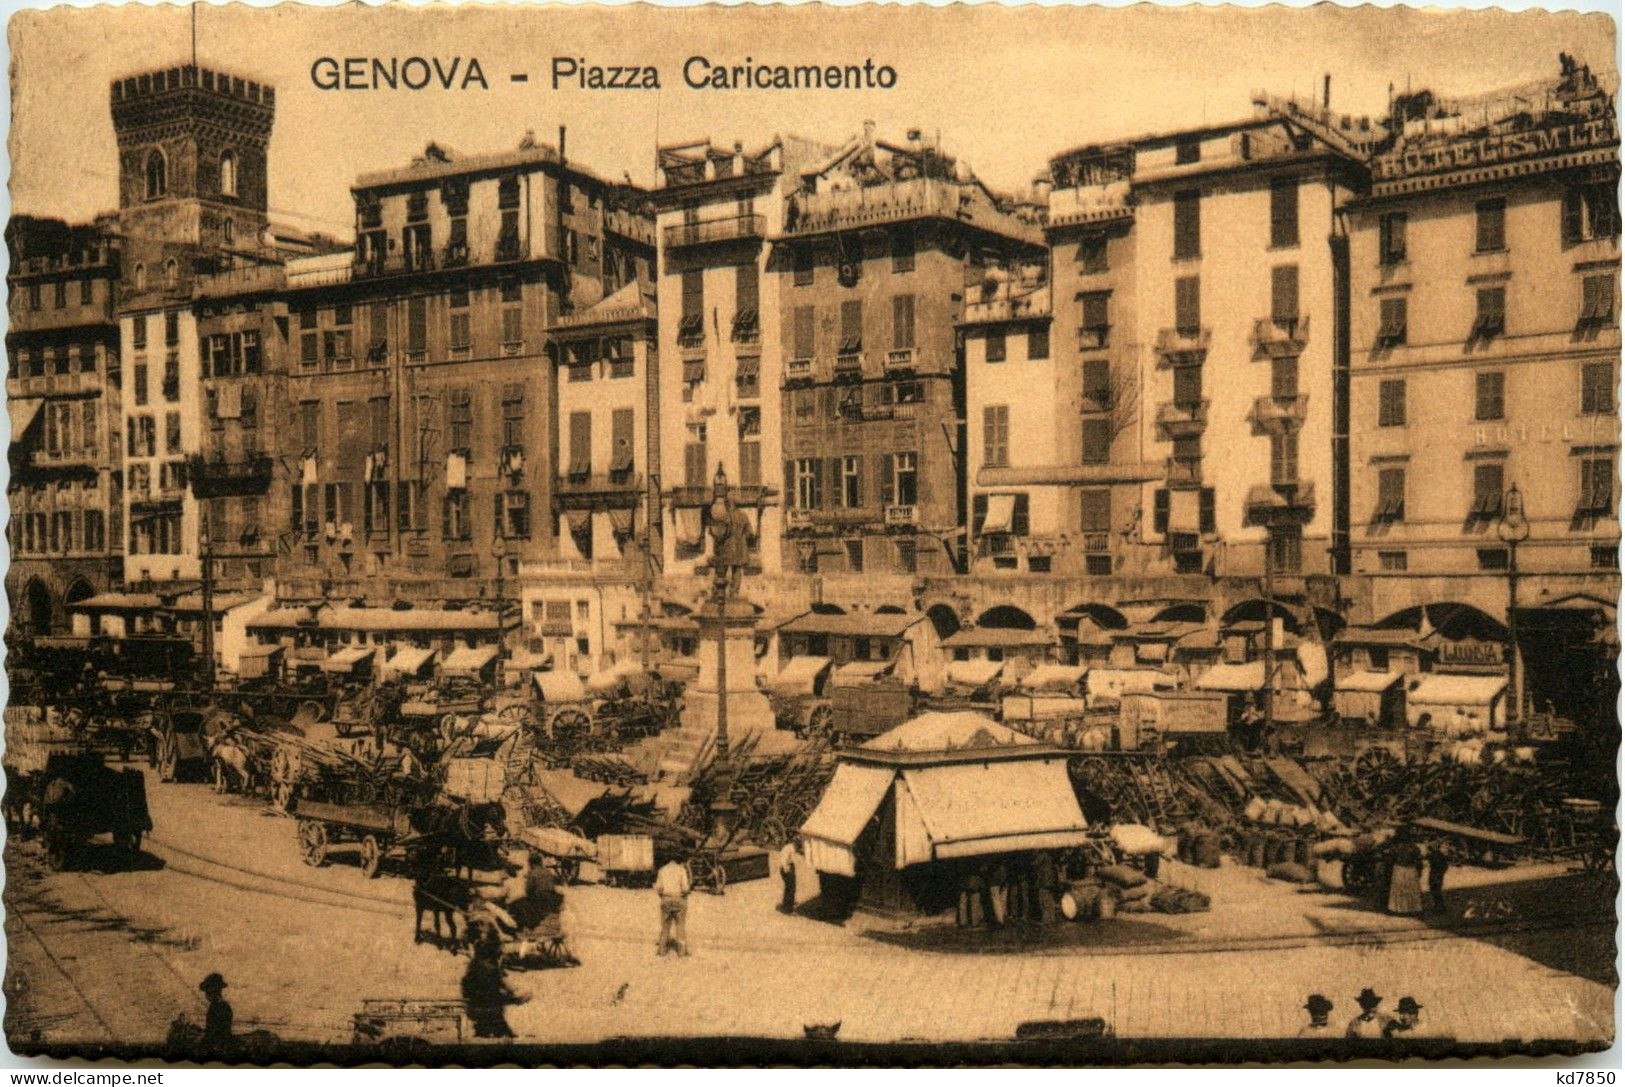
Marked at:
<point>375,830</point>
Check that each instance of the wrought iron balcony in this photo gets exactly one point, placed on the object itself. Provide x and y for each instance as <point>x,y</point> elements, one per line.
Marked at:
<point>736,228</point>
<point>1182,420</point>
<point>219,477</point>
<point>1280,413</point>
<point>900,359</point>
<point>598,488</point>
<point>1183,344</point>
<point>1280,335</point>
<point>1097,543</point>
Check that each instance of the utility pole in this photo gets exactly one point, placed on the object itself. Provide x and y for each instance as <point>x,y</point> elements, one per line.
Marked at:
<point>1269,634</point>
<point>206,554</point>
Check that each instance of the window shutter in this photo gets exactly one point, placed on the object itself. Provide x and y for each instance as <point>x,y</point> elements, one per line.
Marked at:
<point>978,513</point>
<point>298,507</point>
<point>1187,224</point>
<point>1095,507</point>
<point>745,287</point>
<point>817,483</point>
<point>834,493</point>
<point>883,472</point>
<point>902,322</point>
<point>1284,213</point>
<point>1188,304</point>
<point>1097,382</point>
<point>804,346</point>
<point>1207,518</point>
<point>693,294</point>
<point>1019,520</point>
<point>1573,217</point>
<point>1159,511</point>
<point>1284,293</point>
<point>852,325</point>
<point>789,499</point>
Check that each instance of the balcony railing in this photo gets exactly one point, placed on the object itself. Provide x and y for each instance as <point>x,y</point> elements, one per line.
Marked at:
<point>65,458</point>
<point>1097,543</point>
<point>1178,343</point>
<point>901,358</point>
<point>716,230</point>
<point>798,519</point>
<point>1281,336</point>
<point>598,486</point>
<point>798,369</point>
<point>394,265</point>
<point>1280,412</point>
<point>849,365</point>
<point>72,384</point>
<point>220,477</point>
<point>454,255</point>
<point>510,249</point>
<point>1183,420</point>
<point>902,515</point>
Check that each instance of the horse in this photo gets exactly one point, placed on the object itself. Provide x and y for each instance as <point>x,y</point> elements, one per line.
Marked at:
<point>467,833</point>
<point>232,767</point>
<point>440,895</point>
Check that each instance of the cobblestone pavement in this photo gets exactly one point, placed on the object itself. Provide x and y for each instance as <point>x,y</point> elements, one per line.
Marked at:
<point>116,956</point>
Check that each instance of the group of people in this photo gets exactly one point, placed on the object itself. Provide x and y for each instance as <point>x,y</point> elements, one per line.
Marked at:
<point>1371,1022</point>
<point>1399,874</point>
<point>1004,891</point>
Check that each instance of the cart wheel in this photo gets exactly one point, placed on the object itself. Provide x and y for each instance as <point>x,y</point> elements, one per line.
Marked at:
<point>719,877</point>
<point>569,869</point>
<point>313,842</point>
<point>372,856</point>
<point>818,719</point>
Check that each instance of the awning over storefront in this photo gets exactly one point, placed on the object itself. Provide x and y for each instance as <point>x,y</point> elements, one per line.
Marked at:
<point>995,638</point>
<point>849,802</point>
<point>1368,682</point>
<point>556,686</point>
<point>799,675</point>
<point>118,602</point>
<point>855,673</point>
<point>1053,677</point>
<point>468,661</point>
<point>257,650</point>
<point>1456,690</point>
<point>974,673</point>
<point>281,619</point>
<point>1233,677</point>
<point>1107,685</point>
<point>409,660</point>
<point>346,659</point>
<point>972,809</point>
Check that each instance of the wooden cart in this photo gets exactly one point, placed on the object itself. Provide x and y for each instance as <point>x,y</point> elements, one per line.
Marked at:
<point>377,831</point>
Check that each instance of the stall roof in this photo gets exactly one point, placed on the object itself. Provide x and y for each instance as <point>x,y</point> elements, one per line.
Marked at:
<point>258,650</point>
<point>341,618</point>
<point>281,619</point>
<point>1233,677</point>
<point>222,602</point>
<point>1053,677</point>
<point>1369,682</point>
<point>995,637</point>
<point>1443,688</point>
<point>119,602</point>
<point>345,660</point>
<point>973,809</point>
<point>556,686</point>
<point>849,801</point>
<point>1116,681</point>
<point>973,673</point>
<point>1355,635</point>
<point>798,676</point>
<point>467,660</point>
<point>876,625</point>
<point>956,731</point>
<point>856,672</point>
<point>572,793</point>
<point>408,660</point>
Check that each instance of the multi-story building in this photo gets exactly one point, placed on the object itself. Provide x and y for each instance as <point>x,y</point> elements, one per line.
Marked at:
<point>423,435</point>
<point>63,395</point>
<point>881,243</point>
<point>723,330</point>
<point>1485,329</point>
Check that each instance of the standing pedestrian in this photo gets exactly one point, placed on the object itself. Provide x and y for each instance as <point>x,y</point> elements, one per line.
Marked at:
<point>1405,881</point>
<point>672,885</point>
<point>1044,886</point>
<point>787,873</point>
<point>218,1018</point>
<point>1438,865</point>
<point>999,892</point>
<point>485,992</point>
<point>1319,1025</point>
<point>1407,1017</point>
<point>970,899</point>
<point>1370,1023</point>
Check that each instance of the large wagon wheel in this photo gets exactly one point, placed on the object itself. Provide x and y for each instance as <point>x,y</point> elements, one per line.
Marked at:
<point>313,842</point>
<point>819,719</point>
<point>707,874</point>
<point>570,721</point>
<point>372,855</point>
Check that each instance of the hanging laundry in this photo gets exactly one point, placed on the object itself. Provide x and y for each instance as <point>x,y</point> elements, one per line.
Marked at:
<point>456,471</point>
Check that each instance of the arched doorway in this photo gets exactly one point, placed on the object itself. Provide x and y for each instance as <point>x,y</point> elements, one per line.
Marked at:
<point>38,608</point>
<point>944,619</point>
<point>1006,617</point>
<point>1451,620</point>
<point>1258,610</point>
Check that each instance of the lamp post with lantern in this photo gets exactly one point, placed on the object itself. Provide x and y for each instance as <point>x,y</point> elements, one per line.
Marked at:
<point>723,570</point>
<point>1513,529</point>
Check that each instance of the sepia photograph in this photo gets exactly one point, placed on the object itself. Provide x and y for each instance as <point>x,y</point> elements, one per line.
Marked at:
<point>777,536</point>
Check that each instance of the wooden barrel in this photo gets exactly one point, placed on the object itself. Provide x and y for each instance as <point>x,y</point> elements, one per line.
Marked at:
<point>1205,849</point>
<point>1088,901</point>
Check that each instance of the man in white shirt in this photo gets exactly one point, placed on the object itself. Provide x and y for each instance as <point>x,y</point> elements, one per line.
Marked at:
<point>672,885</point>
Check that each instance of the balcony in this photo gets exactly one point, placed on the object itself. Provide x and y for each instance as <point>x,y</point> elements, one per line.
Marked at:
<point>1182,420</point>
<point>849,366</point>
<point>699,495</point>
<point>798,369</point>
<point>900,359</point>
<point>798,520</point>
<point>737,228</point>
<point>1281,336</point>
<point>376,267</point>
<point>902,516</point>
<point>598,489</point>
<point>79,383</point>
<point>454,255</point>
<point>1183,345</point>
<point>65,458</point>
<point>510,249</point>
<point>1279,414</point>
<point>219,477</point>
<point>1096,543</point>
<point>1286,503</point>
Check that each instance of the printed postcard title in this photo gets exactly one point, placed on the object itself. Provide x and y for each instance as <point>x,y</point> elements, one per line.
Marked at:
<point>698,73</point>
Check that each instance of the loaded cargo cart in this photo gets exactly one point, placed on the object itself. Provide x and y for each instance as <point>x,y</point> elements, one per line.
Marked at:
<point>627,860</point>
<point>400,1020</point>
<point>375,830</point>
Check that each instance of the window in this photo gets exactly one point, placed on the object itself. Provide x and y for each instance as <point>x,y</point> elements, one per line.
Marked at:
<point>854,556</point>
<point>1187,152</point>
<point>1284,458</point>
<point>454,519</point>
<point>1286,549</point>
<point>905,478</point>
<point>1492,558</point>
<point>1284,297</point>
<point>803,259</point>
<point>157,175</point>
<point>695,458</point>
<point>172,432</point>
<point>1187,225</point>
<point>1391,403</point>
<point>378,332</point>
<point>1589,212</point>
<point>747,293</point>
<point>1490,395</point>
<point>139,278</point>
<point>1392,562</point>
<point>807,483</point>
<point>1597,301</point>
<point>1597,388</point>
<point>996,436</point>
<point>515,517</point>
<point>902,250</point>
<point>138,332</point>
<point>691,330</point>
<point>995,345</point>
<point>1392,331</point>
<point>228,174</point>
<point>172,328</point>
<point>621,422</point>
<point>1096,510</point>
<point>140,384</point>
<point>1491,225</point>
<point>336,346</point>
<point>1390,495</point>
<point>1097,440</point>
<point>1038,342</point>
<point>459,419</point>
<point>750,463</point>
<point>513,416</point>
<point>460,337</point>
<point>805,331</point>
<point>1094,325</point>
<point>1188,305</point>
<point>1391,238</point>
<point>513,327</point>
<point>851,482</point>
<point>1097,385</point>
<point>1092,257</point>
<point>902,322</point>
<point>309,350</point>
<point>417,325</point>
<point>851,327</point>
<point>408,505</point>
<point>60,299</point>
<point>1491,319</point>
<point>1284,377</point>
<point>310,426</point>
<point>1488,487</point>
<point>1283,213</point>
<point>87,291</point>
<point>1187,387</point>
<point>228,231</point>
<point>1596,486</point>
<point>172,377</point>
<point>378,422</point>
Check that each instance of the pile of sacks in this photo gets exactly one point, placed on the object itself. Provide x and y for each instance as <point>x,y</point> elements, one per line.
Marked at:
<point>1138,893</point>
<point>1094,738</point>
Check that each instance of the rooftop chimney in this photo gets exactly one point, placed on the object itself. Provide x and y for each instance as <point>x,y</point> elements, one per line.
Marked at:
<point>1326,92</point>
<point>561,143</point>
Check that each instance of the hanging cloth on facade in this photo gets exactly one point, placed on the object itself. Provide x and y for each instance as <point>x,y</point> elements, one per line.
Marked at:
<point>1184,513</point>
<point>456,472</point>
<point>690,527</point>
<point>229,401</point>
<point>620,520</point>
<point>307,471</point>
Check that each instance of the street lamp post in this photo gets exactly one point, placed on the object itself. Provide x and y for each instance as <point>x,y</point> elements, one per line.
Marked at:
<point>1513,528</point>
<point>721,528</point>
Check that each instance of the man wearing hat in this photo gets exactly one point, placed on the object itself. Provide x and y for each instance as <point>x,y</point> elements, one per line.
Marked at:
<point>1407,1017</point>
<point>1319,1026</point>
<point>217,1020</point>
<point>1370,1023</point>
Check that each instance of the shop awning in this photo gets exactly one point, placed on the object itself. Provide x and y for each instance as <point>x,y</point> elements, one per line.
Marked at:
<point>1110,684</point>
<point>1001,511</point>
<point>1233,677</point>
<point>346,659</point>
<point>973,809</point>
<point>974,673</point>
<point>468,661</point>
<point>23,413</point>
<point>856,673</point>
<point>281,619</point>
<point>609,682</point>
<point>798,676</point>
<point>118,602</point>
<point>1369,682</point>
<point>1438,689</point>
<point>849,802</point>
<point>1053,677</point>
<point>259,650</point>
<point>556,686</point>
<point>409,660</point>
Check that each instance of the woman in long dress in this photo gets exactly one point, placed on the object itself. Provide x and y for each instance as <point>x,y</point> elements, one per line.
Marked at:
<point>1405,884</point>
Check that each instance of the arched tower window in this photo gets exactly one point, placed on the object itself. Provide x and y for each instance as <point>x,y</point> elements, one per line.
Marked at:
<point>170,276</point>
<point>140,277</point>
<point>157,174</point>
<point>228,174</point>
<point>228,231</point>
